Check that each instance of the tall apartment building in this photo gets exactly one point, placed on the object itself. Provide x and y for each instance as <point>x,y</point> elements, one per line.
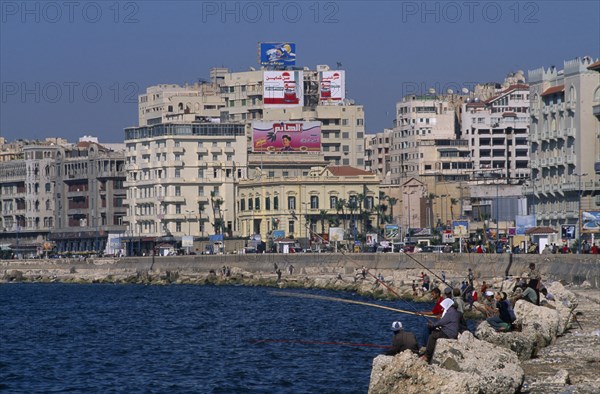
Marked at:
<point>27,198</point>
<point>565,144</point>
<point>89,196</point>
<point>425,147</point>
<point>181,180</point>
<point>377,153</point>
<point>497,131</point>
<point>247,96</point>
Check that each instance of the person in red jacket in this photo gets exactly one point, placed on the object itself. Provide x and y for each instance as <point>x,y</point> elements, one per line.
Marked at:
<point>437,310</point>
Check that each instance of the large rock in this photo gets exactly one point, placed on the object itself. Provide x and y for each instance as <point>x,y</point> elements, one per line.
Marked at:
<point>495,369</point>
<point>466,365</point>
<point>524,344</point>
<point>542,320</point>
<point>406,374</point>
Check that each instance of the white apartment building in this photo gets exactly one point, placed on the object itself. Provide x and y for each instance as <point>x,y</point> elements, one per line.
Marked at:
<point>565,145</point>
<point>425,147</point>
<point>181,180</point>
<point>497,131</point>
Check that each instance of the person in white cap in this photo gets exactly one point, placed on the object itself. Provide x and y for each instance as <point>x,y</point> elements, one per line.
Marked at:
<point>488,305</point>
<point>402,340</point>
<point>446,327</point>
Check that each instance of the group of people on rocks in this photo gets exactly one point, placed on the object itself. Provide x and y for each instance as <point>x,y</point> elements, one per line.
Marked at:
<point>496,306</point>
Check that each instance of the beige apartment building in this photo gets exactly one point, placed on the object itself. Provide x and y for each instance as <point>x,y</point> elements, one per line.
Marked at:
<point>565,142</point>
<point>306,205</point>
<point>181,180</point>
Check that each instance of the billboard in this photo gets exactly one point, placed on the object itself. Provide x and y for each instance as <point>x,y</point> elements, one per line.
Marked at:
<point>567,231</point>
<point>332,86</point>
<point>277,53</point>
<point>283,89</point>
<point>281,136</point>
<point>371,239</point>
<point>524,223</point>
<point>336,234</point>
<point>590,221</point>
<point>460,228</point>
<point>391,231</point>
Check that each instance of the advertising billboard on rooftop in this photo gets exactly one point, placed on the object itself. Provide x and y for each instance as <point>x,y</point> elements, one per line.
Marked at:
<point>277,53</point>
<point>287,136</point>
<point>332,86</point>
<point>283,89</point>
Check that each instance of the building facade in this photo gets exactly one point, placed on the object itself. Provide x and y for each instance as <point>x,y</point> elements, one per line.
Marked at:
<point>89,196</point>
<point>564,143</point>
<point>181,181</point>
<point>305,206</point>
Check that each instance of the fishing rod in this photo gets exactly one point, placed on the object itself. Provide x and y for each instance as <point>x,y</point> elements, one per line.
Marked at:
<point>417,312</point>
<point>320,297</point>
<point>427,269</point>
<point>304,342</point>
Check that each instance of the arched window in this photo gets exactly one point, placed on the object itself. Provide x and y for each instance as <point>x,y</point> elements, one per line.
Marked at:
<point>572,94</point>
<point>597,95</point>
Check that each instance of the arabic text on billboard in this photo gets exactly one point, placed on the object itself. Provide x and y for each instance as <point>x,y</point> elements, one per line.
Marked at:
<point>283,89</point>
<point>286,136</point>
<point>590,221</point>
<point>277,53</point>
<point>332,86</point>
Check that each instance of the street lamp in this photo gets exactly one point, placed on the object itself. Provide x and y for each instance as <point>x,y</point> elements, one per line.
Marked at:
<point>189,212</point>
<point>579,213</point>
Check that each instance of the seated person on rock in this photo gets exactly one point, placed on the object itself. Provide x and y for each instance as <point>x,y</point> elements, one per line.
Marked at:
<point>506,315</point>
<point>446,327</point>
<point>529,295</point>
<point>437,308</point>
<point>402,340</point>
<point>488,305</point>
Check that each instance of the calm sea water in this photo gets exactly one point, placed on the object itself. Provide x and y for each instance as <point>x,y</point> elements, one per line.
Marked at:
<point>201,339</point>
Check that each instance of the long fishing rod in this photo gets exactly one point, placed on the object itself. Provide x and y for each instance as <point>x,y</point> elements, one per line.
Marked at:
<point>417,312</point>
<point>427,269</point>
<point>319,297</point>
<point>304,342</point>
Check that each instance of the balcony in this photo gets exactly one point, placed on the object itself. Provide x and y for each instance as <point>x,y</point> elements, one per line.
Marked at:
<point>202,150</point>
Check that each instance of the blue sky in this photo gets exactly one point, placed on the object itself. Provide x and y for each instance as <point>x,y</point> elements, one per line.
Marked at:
<point>74,68</point>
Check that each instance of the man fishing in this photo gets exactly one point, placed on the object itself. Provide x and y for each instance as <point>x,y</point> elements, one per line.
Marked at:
<point>402,340</point>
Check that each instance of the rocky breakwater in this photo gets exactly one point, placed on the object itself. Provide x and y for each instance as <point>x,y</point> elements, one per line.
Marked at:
<point>490,361</point>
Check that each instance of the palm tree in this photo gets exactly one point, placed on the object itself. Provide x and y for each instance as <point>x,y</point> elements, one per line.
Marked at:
<point>430,197</point>
<point>392,201</point>
<point>339,207</point>
<point>323,216</point>
<point>216,203</point>
<point>360,199</point>
<point>453,202</point>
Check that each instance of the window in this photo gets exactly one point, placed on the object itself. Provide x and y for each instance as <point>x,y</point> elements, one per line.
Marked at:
<point>201,190</point>
<point>344,122</point>
<point>291,227</point>
<point>271,174</point>
<point>229,157</point>
<point>178,208</point>
<point>177,173</point>
<point>268,203</point>
<point>291,202</point>
<point>200,173</point>
<point>314,202</point>
<point>276,203</point>
<point>345,135</point>
<point>178,191</point>
<point>177,144</point>
<point>360,122</point>
<point>250,204</point>
<point>257,203</point>
<point>177,156</point>
<point>178,227</point>
<point>369,202</point>
<point>215,157</point>
<point>333,202</point>
<point>285,174</point>
<point>242,205</point>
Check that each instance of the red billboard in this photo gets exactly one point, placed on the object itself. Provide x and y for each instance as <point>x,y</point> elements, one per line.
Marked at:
<point>286,136</point>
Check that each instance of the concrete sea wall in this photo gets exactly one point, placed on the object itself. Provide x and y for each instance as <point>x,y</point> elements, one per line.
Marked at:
<point>569,268</point>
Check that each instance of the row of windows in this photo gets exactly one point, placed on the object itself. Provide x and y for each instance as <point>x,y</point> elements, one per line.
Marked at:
<point>255,203</point>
